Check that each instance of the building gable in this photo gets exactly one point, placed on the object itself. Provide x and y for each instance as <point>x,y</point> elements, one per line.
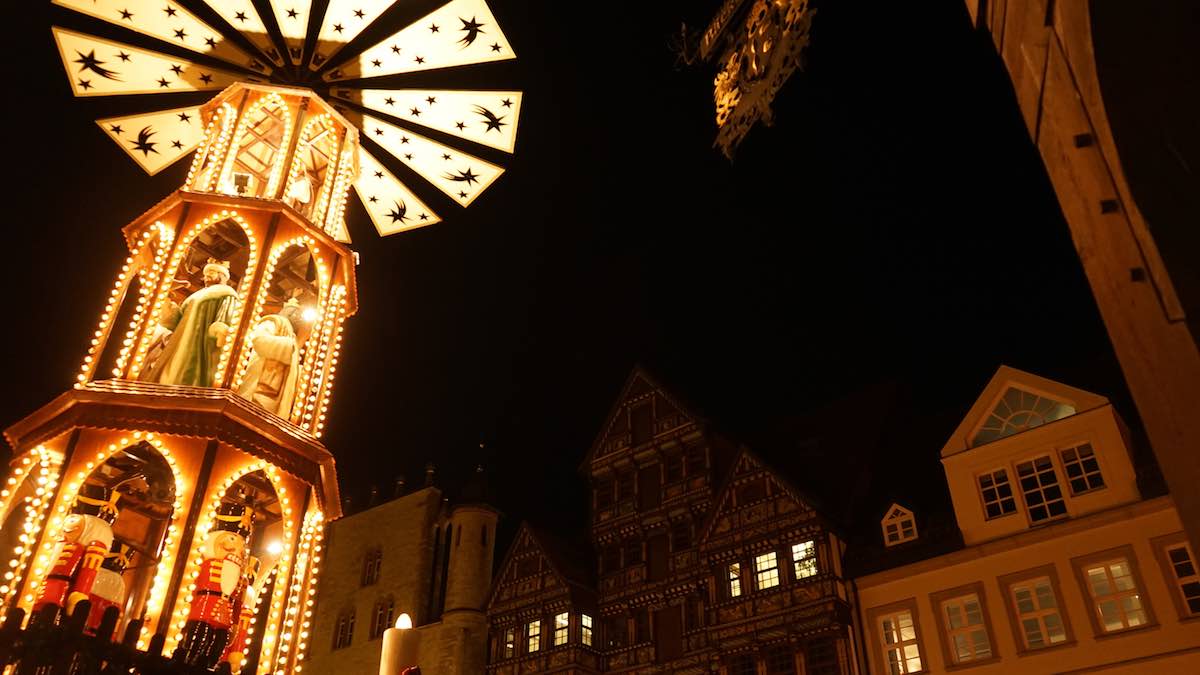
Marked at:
<point>754,498</point>
<point>529,570</point>
<point>1014,401</point>
<point>644,410</point>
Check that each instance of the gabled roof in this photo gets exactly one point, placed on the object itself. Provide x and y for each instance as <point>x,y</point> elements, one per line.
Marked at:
<point>564,562</point>
<point>746,463</point>
<point>1004,379</point>
<point>638,384</point>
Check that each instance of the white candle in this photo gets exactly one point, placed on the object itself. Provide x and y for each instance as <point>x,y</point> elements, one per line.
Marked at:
<point>400,647</point>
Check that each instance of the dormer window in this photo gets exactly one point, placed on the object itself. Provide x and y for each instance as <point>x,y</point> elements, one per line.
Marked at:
<point>899,526</point>
<point>1083,470</point>
<point>1018,410</point>
<point>1041,490</point>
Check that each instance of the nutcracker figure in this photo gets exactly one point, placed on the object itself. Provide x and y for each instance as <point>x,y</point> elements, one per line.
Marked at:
<point>109,589</point>
<point>245,600</point>
<point>85,539</point>
<point>211,615</point>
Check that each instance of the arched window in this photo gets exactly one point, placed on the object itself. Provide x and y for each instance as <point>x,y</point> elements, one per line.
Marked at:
<point>382,616</point>
<point>343,630</point>
<point>263,137</point>
<point>372,563</point>
<point>1018,410</point>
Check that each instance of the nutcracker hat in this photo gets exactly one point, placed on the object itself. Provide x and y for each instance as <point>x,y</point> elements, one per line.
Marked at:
<point>218,266</point>
<point>118,558</point>
<point>236,518</point>
<point>97,500</point>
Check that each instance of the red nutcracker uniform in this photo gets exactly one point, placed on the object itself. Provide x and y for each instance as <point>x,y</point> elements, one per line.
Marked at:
<point>82,545</point>
<point>245,599</point>
<point>210,617</point>
<point>109,589</point>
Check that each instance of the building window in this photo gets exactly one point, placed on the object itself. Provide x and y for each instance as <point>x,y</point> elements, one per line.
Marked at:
<point>1035,604</point>
<point>804,559</point>
<point>626,486</point>
<point>997,494</point>
<point>766,570</point>
<point>604,494</point>
<point>381,618</point>
<point>779,660</point>
<point>1083,470</point>
<point>681,535</point>
<point>562,624</point>
<point>585,629</point>
<point>533,639</point>
<point>633,552</point>
<point>510,642</point>
<point>901,648</point>
<point>1182,573</point>
<point>1115,595</point>
<point>372,563</point>
<point>899,526</point>
<point>1040,488</point>
<point>734,573</point>
<point>641,625</point>
<point>821,658</point>
<point>966,634</point>
<point>616,631</point>
<point>673,468</point>
<point>694,456</point>
<point>693,617</point>
<point>610,558</point>
<point>1018,410</point>
<point>742,664</point>
<point>343,632</point>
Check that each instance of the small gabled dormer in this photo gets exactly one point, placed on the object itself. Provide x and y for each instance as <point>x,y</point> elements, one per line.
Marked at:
<point>1032,452</point>
<point>899,526</point>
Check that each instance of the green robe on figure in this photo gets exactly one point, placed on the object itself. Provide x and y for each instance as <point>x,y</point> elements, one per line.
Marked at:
<point>192,351</point>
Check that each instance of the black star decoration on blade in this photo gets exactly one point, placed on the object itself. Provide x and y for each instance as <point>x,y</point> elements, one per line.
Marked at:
<point>414,112</point>
<point>85,84</point>
<point>90,62</point>
<point>495,46</point>
<point>420,59</point>
<point>144,143</point>
<point>408,156</point>
<point>169,10</point>
<point>206,78</point>
<point>358,14</point>
<point>378,132</point>
<point>460,125</point>
<point>445,156</point>
<point>490,119</point>
<point>507,103</point>
<point>463,177</point>
<point>179,33</point>
<point>424,216</point>
<point>433,28</point>
<point>431,100</point>
<point>126,14</point>
<point>372,199</point>
<point>395,49</point>
<point>399,213</point>
<point>177,145</point>
<point>389,101</point>
<point>123,56</point>
<point>376,63</point>
<point>403,140</point>
<point>462,194</point>
<point>337,27</point>
<point>472,29</point>
<point>211,42</point>
<point>240,16</point>
<point>116,129</point>
<point>379,174</point>
<point>292,13</point>
<point>162,82</point>
<point>184,117</point>
<point>178,70</point>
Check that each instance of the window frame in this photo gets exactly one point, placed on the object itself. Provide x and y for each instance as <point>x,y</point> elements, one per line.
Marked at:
<point>1079,563</point>
<point>1009,474</point>
<point>893,519</point>
<point>1161,546</point>
<point>587,629</point>
<point>1067,474</point>
<point>879,649</point>
<point>564,630</point>
<point>508,642</point>
<point>530,636</point>
<point>814,557</point>
<point>1056,468</point>
<point>761,571</point>
<point>938,600</point>
<point>344,622</point>
<point>1007,581</point>
<point>733,579</point>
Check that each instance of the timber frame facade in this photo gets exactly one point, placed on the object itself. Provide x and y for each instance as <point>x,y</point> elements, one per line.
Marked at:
<point>706,561</point>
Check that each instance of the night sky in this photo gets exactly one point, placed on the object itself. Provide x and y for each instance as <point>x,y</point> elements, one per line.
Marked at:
<point>895,225</point>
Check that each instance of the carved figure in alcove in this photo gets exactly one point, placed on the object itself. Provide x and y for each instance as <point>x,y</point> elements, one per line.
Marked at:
<point>207,630</point>
<point>85,539</point>
<point>198,327</point>
<point>270,379</point>
<point>109,589</point>
<point>245,601</point>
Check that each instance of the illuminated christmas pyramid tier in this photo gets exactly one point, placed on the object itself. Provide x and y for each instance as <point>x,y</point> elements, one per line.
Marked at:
<point>199,452</point>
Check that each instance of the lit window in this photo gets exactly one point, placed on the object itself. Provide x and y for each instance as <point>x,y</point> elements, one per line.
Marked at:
<point>585,629</point>
<point>561,625</point>
<point>1115,595</point>
<point>900,649</point>
<point>804,559</point>
<point>735,580</point>
<point>1083,471</point>
<point>1037,613</point>
<point>510,642</point>
<point>1183,568</point>
<point>1040,488</point>
<point>965,630</point>
<point>766,570</point>
<point>534,641</point>
<point>1018,410</point>
<point>899,526</point>
<point>997,494</point>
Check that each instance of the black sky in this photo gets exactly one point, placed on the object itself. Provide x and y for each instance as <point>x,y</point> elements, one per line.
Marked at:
<point>895,225</point>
